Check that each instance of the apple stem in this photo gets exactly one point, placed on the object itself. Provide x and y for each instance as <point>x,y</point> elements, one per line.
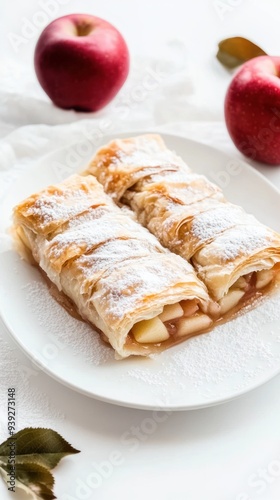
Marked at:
<point>84,29</point>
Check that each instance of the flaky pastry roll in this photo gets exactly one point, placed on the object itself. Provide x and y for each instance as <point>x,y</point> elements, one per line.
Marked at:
<point>141,297</point>
<point>235,255</point>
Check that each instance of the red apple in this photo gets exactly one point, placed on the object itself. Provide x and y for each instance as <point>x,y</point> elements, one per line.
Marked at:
<point>252,109</point>
<point>81,61</point>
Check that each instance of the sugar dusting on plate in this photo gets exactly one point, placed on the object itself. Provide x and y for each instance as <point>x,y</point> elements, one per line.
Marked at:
<point>146,151</point>
<point>33,406</point>
<point>64,330</point>
<point>233,353</point>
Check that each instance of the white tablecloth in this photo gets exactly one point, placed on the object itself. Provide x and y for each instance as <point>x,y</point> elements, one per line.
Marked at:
<point>227,452</point>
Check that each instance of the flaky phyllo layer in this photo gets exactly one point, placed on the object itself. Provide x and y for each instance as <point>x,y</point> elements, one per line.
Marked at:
<point>236,256</point>
<point>138,295</point>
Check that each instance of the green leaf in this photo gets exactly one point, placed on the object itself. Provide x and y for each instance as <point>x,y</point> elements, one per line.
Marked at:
<point>236,50</point>
<point>44,447</point>
<point>33,478</point>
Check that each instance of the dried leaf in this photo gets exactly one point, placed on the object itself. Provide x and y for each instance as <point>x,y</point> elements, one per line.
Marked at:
<point>237,50</point>
<point>34,479</point>
<point>41,446</point>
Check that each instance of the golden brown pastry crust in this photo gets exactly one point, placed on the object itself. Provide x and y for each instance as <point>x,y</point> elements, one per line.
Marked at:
<point>113,269</point>
<point>185,211</point>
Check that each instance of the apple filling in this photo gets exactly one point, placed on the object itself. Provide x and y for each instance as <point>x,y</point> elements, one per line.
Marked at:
<point>177,321</point>
<point>246,288</point>
<point>185,319</point>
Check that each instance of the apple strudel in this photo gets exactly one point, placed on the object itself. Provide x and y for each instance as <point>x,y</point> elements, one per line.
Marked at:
<point>236,256</point>
<point>140,296</point>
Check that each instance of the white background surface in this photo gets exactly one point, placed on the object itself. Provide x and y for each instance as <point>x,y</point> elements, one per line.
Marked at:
<point>228,452</point>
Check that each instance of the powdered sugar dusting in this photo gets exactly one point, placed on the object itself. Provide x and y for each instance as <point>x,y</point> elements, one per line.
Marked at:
<point>91,229</point>
<point>231,355</point>
<point>213,222</point>
<point>170,176</point>
<point>57,205</point>
<point>146,152</point>
<point>132,283</point>
<point>112,253</point>
<point>33,406</point>
<point>223,234</point>
<point>242,240</point>
<point>66,331</point>
<point>50,208</point>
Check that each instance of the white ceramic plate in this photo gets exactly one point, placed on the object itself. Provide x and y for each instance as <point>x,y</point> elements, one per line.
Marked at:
<point>206,370</point>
